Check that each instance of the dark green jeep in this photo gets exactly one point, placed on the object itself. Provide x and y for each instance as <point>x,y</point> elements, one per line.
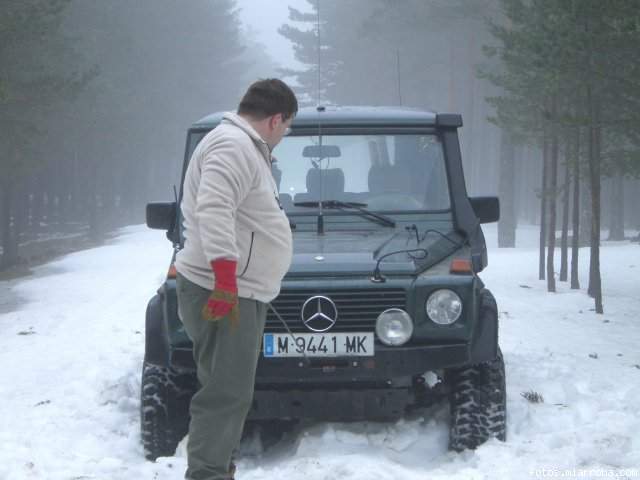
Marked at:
<point>382,310</point>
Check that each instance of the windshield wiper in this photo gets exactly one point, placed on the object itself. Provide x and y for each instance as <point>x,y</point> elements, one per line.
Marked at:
<point>338,205</point>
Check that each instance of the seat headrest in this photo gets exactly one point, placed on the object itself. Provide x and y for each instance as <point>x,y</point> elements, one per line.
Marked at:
<point>332,179</point>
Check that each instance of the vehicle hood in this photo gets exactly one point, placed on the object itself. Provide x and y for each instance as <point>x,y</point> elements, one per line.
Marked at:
<point>358,253</point>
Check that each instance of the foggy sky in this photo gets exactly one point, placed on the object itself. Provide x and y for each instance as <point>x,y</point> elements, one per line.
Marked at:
<point>263,18</point>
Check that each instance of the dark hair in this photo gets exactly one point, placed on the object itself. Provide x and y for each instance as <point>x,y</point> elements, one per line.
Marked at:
<point>268,97</point>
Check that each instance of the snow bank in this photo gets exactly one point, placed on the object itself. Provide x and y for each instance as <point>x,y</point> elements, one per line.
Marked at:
<point>71,359</point>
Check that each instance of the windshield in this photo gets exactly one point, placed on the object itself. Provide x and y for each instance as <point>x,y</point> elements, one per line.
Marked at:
<point>403,172</point>
<point>385,172</point>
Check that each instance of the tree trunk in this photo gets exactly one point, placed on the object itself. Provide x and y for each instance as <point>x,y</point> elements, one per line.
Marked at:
<point>452,72</point>
<point>93,216</point>
<point>508,221</point>
<point>553,190</point>
<point>616,213</point>
<point>543,210</point>
<point>636,218</point>
<point>595,282</point>
<point>2,216</point>
<point>38,193</point>
<point>53,198</point>
<point>471,153</point>
<point>585,204</point>
<point>21,213</point>
<point>575,228</point>
<point>9,243</point>
<point>564,242</point>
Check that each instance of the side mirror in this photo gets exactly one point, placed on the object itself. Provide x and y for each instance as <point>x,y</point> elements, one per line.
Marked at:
<point>487,209</point>
<point>161,215</point>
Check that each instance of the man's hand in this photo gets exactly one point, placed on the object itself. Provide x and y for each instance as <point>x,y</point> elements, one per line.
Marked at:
<point>223,300</point>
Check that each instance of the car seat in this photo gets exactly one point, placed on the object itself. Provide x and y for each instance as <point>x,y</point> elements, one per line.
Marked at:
<point>332,184</point>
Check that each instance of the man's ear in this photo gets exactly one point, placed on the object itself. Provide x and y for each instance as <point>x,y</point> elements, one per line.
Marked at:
<point>273,121</point>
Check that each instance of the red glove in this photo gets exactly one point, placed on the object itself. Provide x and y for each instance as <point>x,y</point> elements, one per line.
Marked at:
<point>223,300</point>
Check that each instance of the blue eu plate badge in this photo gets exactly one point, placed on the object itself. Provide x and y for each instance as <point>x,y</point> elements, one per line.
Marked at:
<point>268,345</point>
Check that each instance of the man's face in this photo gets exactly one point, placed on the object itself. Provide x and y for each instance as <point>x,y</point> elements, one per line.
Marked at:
<point>278,128</point>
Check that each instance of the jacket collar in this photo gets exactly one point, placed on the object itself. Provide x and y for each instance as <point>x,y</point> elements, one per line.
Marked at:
<point>236,120</point>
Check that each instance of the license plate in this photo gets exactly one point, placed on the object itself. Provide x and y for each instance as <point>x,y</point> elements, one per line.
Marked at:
<point>318,344</point>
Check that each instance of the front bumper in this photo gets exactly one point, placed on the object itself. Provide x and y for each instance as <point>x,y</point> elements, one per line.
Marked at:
<point>380,387</point>
<point>332,405</point>
<point>386,367</point>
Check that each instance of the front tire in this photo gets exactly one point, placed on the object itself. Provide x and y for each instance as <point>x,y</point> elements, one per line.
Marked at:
<point>477,399</point>
<point>164,409</point>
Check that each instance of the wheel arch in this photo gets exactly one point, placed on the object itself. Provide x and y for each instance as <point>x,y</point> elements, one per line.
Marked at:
<point>484,342</point>
<point>156,344</point>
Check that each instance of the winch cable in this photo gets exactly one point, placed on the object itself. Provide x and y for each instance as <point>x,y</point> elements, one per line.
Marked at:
<point>304,355</point>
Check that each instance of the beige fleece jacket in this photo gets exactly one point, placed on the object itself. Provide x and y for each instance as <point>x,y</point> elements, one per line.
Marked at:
<point>231,209</point>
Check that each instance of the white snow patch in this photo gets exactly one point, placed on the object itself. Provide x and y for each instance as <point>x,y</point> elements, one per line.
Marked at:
<point>72,354</point>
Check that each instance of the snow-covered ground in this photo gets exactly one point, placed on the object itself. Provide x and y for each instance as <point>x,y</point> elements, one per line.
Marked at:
<point>71,358</point>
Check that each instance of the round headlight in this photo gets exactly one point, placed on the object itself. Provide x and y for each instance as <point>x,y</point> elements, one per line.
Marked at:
<point>444,307</point>
<point>394,327</point>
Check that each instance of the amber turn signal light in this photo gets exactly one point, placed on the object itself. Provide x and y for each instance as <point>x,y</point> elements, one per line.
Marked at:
<point>461,265</point>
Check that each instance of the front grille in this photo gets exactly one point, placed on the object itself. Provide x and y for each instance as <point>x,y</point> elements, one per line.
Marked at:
<point>357,309</point>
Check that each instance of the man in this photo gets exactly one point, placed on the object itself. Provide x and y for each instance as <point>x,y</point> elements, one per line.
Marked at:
<point>237,249</point>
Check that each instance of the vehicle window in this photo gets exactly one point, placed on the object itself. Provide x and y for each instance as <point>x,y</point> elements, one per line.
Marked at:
<point>194,139</point>
<point>387,172</point>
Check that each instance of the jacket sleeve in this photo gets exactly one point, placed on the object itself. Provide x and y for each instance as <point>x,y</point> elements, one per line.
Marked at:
<point>228,173</point>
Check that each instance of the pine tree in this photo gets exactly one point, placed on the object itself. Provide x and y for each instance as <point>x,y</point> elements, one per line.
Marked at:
<point>94,119</point>
<point>582,52</point>
<point>37,63</point>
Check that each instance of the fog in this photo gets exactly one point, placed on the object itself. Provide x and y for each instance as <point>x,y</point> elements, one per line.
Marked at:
<point>262,19</point>
<point>97,97</point>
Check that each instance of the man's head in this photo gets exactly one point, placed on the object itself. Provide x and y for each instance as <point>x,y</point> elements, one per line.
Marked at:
<point>269,105</point>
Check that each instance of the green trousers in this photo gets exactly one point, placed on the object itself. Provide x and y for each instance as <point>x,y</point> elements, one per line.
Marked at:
<point>226,359</point>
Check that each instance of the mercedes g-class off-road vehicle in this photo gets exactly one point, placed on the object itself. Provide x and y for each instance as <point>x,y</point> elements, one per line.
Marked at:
<point>382,310</point>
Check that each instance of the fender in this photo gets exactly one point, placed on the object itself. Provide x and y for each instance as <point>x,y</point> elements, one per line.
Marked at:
<point>156,340</point>
<point>484,343</point>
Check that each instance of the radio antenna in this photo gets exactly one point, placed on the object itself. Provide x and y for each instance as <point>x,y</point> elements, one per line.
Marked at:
<point>398,75</point>
<point>318,28</point>
<point>320,109</point>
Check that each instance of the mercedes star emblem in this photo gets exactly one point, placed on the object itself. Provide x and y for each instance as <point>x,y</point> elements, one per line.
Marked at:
<point>319,313</point>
